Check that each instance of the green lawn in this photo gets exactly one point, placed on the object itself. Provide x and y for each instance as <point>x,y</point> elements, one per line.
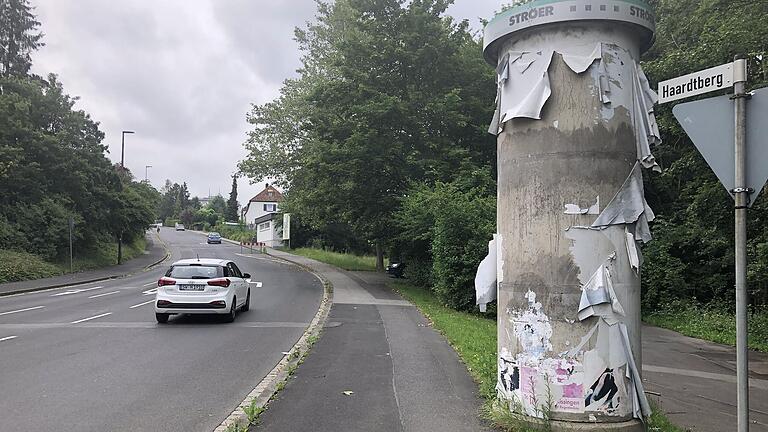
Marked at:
<point>341,260</point>
<point>474,339</point>
<point>713,325</point>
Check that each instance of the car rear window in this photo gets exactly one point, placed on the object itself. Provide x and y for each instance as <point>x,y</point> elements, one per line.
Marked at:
<point>195,272</point>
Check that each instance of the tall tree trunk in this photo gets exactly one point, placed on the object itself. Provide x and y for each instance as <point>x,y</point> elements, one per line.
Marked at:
<point>379,256</point>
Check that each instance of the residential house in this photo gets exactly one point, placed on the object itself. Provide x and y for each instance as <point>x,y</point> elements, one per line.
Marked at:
<point>260,214</point>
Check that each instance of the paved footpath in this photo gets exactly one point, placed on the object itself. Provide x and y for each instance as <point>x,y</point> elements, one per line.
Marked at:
<point>694,381</point>
<point>402,374</point>
<point>154,253</point>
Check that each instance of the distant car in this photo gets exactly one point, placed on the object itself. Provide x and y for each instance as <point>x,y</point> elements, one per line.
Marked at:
<point>214,237</point>
<point>180,227</point>
<point>202,286</point>
<point>396,269</point>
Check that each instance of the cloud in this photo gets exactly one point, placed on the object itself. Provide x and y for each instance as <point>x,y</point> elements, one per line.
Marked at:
<point>181,73</point>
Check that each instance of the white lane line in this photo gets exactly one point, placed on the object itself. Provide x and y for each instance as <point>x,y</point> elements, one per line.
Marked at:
<point>150,291</point>
<point>150,284</point>
<point>76,291</point>
<point>7,338</point>
<point>141,304</point>
<point>21,310</point>
<point>93,317</point>
<point>105,294</point>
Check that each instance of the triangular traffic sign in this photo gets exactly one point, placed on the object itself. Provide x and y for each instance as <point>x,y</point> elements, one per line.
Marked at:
<point>710,125</point>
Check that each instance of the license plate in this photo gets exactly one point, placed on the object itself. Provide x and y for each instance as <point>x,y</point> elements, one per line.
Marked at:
<point>191,287</point>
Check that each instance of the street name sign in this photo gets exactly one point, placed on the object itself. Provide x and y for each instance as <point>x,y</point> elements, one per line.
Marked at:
<point>705,81</point>
<point>709,124</point>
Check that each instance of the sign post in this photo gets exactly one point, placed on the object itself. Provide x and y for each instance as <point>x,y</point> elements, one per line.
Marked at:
<point>708,125</point>
<point>287,228</point>
<point>741,195</point>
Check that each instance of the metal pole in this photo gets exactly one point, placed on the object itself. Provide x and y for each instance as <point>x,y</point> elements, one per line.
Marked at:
<point>71,225</point>
<point>741,194</point>
<point>122,151</point>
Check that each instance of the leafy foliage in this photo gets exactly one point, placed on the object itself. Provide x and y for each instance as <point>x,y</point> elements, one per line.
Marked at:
<point>691,256</point>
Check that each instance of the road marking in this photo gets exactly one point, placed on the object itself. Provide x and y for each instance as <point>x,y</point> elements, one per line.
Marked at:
<point>93,317</point>
<point>105,294</point>
<point>7,338</point>
<point>76,291</point>
<point>21,310</point>
<point>753,382</point>
<point>150,291</point>
<point>150,284</point>
<point>258,284</point>
<point>141,304</point>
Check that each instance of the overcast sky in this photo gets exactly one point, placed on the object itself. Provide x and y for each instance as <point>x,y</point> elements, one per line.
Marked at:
<point>182,74</point>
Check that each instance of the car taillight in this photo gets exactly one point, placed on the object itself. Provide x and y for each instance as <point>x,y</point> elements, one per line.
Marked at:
<point>165,281</point>
<point>224,282</point>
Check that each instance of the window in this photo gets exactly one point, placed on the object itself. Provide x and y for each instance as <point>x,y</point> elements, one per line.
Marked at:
<point>264,226</point>
<point>194,272</point>
<point>270,207</point>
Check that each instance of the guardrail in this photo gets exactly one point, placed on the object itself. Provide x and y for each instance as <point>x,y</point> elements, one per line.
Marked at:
<point>259,246</point>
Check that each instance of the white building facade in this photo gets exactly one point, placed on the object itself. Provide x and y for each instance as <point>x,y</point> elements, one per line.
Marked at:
<point>260,215</point>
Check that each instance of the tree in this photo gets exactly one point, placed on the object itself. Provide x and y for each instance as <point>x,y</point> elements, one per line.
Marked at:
<point>232,206</point>
<point>18,37</point>
<point>388,94</point>
<point>691,257</point>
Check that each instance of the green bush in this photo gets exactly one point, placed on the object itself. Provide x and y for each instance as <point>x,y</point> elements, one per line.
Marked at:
<point>454,221</point>
<point>169,222</point>
<point>19,266</point>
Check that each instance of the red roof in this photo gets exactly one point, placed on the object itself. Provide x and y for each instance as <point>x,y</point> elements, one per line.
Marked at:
<point>269,194</point>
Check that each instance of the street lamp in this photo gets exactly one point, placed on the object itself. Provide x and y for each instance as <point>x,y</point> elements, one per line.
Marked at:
<point>122,149</point>
<point>146,168</point>
<point>122,166</point>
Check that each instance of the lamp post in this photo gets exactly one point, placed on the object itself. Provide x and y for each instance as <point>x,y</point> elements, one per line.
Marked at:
<point>146,168</point>
<point>122,166</point>
<point>122,148</point>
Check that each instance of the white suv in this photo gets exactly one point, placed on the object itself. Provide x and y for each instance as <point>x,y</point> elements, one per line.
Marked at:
<point>202,286</point>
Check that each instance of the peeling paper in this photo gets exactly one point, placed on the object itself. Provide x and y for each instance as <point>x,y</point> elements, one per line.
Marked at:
<point>598,298</point>
<point>509,375</point>
<point>573,209</point>
<point>579,62</point>
<point>640,406</point>
<point>633,252</point>
<point>646,128</point>
<point>485,279</point>
<point>527,88</point>
<point>590,248</point>
<point>532,330</point>
<point>629,207</point>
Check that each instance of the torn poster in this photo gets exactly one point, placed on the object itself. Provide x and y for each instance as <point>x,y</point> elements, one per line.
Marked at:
<point>526,89</point>
<point>590,248</point>
<point>629,207</point>
<point>646,129</point>
<point>633,253</point>
<point>509,375</point>
<point>579,62</point>
<point>532,330</point>
<point>485,279</point>
<point>574,209</point>
<point>604,395</point>
<point>598,298</point>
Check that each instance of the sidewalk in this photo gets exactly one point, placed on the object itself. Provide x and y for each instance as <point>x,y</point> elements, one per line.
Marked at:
<point>399,374</point>
<point>154,253</point>
<point>694,381</point>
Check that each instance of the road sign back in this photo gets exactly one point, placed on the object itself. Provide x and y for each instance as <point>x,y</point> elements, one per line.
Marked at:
<point>709,124</point>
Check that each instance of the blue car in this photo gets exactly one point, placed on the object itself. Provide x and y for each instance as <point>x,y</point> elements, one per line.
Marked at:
<point>214,237</point>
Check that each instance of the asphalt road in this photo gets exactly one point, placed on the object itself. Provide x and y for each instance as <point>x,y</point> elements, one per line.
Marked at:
<point>93,358</point>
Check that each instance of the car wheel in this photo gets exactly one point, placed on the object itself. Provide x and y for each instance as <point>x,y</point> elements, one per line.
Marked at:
<point>232,311</point>
<point>247,305</point>
<point>162,318</point>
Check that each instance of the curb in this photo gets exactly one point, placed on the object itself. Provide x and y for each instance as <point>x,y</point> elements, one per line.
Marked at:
<point>265,390</point>
<point>83,282</point>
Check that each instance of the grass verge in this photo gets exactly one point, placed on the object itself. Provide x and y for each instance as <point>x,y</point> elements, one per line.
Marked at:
<point>474,339</point>
<point>712,324</point>
<point>20,266</point>
<point>341,260</point>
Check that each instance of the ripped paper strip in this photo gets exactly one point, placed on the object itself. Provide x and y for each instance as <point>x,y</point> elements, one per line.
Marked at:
<point>629,207</point>
<point>485,278</point>
<point>574,209</point>
<point>598,298</point>
<point>646,128</point>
